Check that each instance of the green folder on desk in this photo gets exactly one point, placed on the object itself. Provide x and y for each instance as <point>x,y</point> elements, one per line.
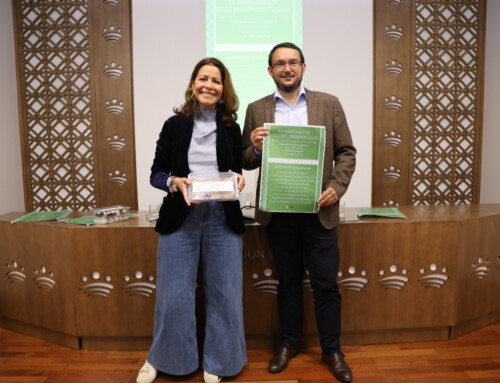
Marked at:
<point>386,212</point>
<point>87,220</point>
<point>37,216</point>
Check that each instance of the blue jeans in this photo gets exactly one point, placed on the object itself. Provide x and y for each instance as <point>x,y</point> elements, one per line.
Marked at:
<point>175,349</point>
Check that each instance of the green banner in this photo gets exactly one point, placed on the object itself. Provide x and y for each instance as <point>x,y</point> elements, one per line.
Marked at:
<point>241,33</point>
<point>292,168</point>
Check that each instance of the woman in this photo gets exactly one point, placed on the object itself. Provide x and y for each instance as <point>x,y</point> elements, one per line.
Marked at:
<point>202,136</point>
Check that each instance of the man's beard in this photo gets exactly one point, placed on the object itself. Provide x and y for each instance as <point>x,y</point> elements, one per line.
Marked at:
<point>288,88</point>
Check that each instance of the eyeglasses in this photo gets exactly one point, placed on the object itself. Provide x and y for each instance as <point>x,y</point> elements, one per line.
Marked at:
<point>281,65</point>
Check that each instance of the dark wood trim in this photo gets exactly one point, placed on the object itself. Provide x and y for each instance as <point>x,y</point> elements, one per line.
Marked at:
<point>57,337</point>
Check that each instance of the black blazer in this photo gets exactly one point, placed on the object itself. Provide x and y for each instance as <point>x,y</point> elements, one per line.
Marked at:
<point>171,157</point>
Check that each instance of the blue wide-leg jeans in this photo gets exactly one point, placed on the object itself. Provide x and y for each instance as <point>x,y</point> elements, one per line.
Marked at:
<point>175,351</point>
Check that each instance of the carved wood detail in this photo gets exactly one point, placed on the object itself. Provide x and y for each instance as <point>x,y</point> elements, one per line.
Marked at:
<point>75,103</point>
<point>428,79</point>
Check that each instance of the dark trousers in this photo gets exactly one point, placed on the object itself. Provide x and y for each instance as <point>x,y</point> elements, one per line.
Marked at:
<point>292,237</point>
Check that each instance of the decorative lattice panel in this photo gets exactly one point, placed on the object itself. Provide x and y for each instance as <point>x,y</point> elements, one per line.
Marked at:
<point>447,115</point>
<point>428,106</point>
<point>59,136</point>
<point>74,156</point>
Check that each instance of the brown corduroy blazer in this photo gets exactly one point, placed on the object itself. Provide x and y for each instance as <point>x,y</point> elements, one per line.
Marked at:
<point>340,154</point>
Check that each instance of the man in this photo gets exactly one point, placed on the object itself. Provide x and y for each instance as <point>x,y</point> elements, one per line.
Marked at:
<point>292,236</point>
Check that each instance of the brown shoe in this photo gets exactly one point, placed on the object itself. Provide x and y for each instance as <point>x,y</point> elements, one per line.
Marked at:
<point>339,367</point>
<point>280,360</point>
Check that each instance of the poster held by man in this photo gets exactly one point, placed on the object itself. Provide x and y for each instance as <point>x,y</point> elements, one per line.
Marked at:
<point>292,168</point>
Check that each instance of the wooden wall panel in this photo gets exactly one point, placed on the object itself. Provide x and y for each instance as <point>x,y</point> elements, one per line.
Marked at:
<point>115,267</point>
<point>428,81</point>
<point>76,125</point>
<point>447,107</point>
<point>392,56</point>
<point>36,272</point>
<point>112,71</point>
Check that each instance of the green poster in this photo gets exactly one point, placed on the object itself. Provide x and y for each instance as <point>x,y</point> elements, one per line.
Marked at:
<point>241,33</point>
<point>292,168</point>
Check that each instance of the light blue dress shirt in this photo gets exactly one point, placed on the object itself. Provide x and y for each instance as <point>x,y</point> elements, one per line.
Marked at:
<point>284,113</point>
<point>295,114</point>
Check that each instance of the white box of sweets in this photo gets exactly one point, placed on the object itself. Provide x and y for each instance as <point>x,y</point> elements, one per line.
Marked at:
<point>217,186</point>
<point>110,214</point>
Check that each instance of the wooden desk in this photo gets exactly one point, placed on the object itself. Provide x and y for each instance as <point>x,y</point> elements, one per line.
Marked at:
<point>431,277</point>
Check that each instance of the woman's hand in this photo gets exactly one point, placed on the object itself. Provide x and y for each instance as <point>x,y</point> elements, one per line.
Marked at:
<point>241,180</point>
<point>182,184</point>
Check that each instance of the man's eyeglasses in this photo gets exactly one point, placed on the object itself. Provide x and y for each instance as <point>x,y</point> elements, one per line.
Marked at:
<point>293,64</point>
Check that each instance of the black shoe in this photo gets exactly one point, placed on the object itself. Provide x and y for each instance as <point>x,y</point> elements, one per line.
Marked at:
<point>339,367</point>
<point>280,360</point>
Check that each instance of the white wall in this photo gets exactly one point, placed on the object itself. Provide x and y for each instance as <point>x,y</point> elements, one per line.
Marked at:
<point>338,48</point>
<point>165,54</point>
<point>490,173</point>
<point>11,183</point>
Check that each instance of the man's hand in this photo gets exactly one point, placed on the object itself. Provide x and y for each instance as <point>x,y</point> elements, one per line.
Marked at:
<point>257,137</point>
<point>328,197</point>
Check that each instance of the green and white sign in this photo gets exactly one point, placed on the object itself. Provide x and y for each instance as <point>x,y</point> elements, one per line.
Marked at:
<point>241,33</point>
<point>292,168</point>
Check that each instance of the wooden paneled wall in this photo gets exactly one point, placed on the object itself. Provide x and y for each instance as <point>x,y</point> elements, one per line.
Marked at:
<point>428,85</point>
<point>75,103</point>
